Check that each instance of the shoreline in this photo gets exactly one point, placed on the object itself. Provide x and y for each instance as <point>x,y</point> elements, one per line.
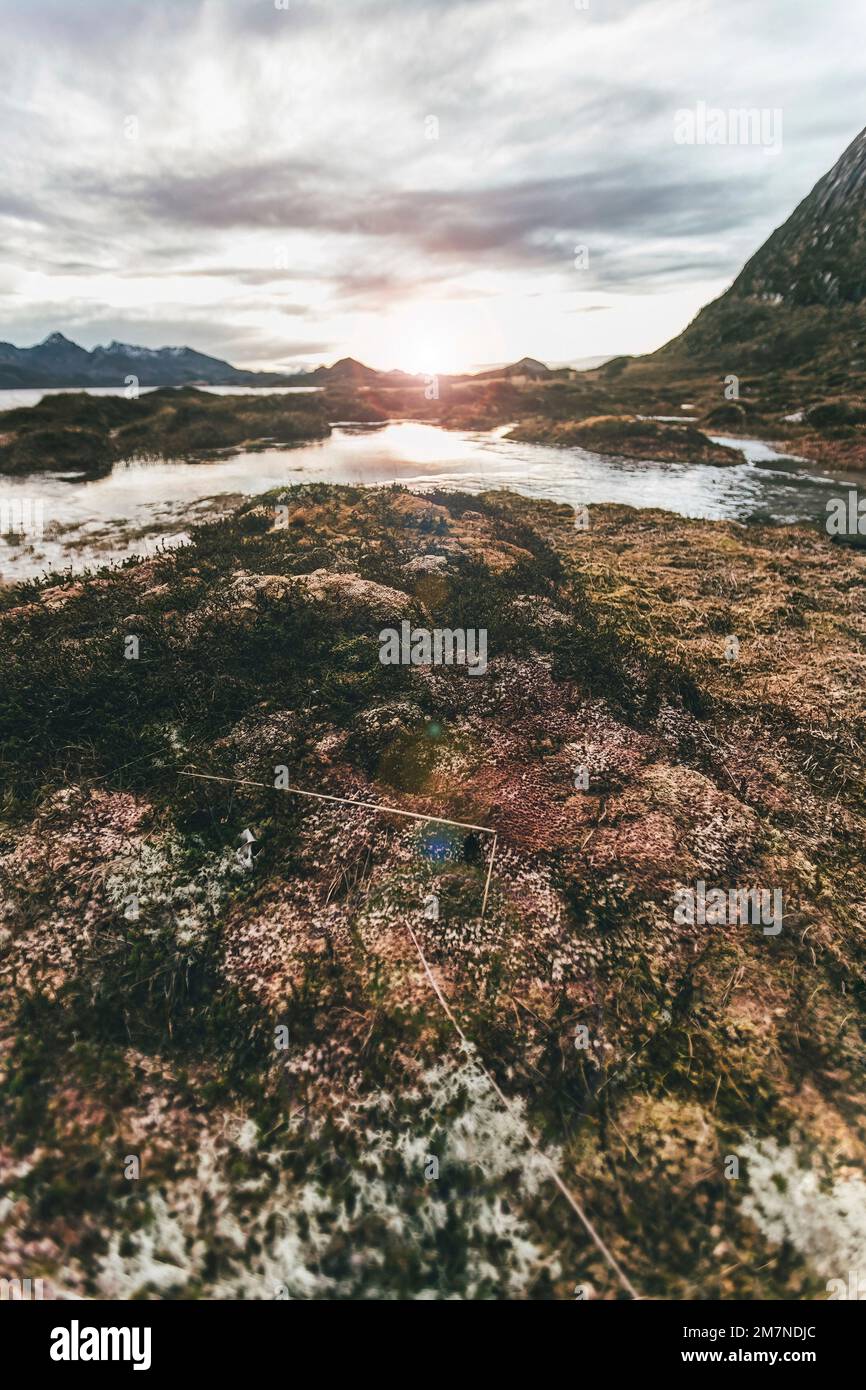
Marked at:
<point>83,529</point>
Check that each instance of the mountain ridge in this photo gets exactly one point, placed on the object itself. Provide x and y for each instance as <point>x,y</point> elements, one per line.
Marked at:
<point>801,296</point>
<point>56,361</point>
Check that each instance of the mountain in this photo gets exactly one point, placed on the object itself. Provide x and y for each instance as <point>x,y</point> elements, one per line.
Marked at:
<point>802,297</point>
<point>58,362</point>
<point>56,356</point>
<point>347,370</point>
<point>528,368</point>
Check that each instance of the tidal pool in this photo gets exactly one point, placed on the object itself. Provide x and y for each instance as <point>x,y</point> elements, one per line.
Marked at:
<point>142,505</point>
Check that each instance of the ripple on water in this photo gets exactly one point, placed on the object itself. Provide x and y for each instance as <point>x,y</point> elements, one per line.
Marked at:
<point>142,504</point>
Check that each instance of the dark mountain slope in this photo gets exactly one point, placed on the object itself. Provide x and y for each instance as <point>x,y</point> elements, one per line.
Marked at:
<point>58,362</point>
<point>801,296</point>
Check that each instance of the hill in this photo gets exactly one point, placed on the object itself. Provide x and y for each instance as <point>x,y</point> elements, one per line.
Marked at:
<point>800,299</point>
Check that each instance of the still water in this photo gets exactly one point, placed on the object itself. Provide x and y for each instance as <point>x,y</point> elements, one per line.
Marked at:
<point>142,505</point>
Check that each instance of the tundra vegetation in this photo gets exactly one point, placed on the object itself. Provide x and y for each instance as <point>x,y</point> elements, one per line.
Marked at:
<point>87,435</point>
<point>609,410</point>
<point>219,978</point>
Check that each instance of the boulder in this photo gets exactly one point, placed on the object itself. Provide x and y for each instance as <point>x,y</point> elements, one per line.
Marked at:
<point>345,592</point>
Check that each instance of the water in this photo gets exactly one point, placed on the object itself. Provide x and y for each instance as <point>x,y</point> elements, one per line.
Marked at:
<point>142,505</point>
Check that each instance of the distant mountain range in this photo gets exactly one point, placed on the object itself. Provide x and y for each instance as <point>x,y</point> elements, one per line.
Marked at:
<point>352,372</point>
<point>58,362</point>
<point>527,369</point>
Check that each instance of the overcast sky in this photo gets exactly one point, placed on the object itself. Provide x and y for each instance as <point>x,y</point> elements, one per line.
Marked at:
<point>406,181</point>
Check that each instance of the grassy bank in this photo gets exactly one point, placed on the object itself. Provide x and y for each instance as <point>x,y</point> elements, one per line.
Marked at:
<point>89,434</point>
<point>629,437</point>
<point>607,410</point>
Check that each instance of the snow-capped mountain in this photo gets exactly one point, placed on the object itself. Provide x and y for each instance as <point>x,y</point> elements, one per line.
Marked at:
<point>58,362</point>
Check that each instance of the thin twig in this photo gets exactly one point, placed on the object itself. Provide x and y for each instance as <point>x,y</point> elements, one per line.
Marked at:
<point>518,1120</point>
<point>366,805</point>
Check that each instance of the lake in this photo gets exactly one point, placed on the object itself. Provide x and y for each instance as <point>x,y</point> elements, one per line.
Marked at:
<point>142,505</point>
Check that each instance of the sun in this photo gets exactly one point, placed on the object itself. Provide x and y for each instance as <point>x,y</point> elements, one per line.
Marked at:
<point>427,355</point>
<point>424,338</point>
<point>436,337</point>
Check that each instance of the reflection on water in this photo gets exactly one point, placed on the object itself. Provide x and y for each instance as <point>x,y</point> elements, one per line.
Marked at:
<point>143,504</point>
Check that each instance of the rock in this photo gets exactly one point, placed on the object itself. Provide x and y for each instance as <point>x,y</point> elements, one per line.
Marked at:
<point>351,591</point>
<point>23,611</point>
<point>271,587</point>
<point>410,505</point>
<point>382,724</point>
<point>426,564</point>
<point>730,413</point>
<point>345,591</point>
<point>348,592</point>
<point>60,594</point>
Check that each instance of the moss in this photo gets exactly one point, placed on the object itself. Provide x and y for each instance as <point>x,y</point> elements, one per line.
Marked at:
<point>606,651</point>
<point>89,434</point>
<point>629,437</point>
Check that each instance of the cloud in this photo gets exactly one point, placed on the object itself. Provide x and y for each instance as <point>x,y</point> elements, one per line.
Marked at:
<point>336,166</point>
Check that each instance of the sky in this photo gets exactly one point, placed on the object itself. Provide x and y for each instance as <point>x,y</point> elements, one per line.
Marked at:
<point>435,185</point>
